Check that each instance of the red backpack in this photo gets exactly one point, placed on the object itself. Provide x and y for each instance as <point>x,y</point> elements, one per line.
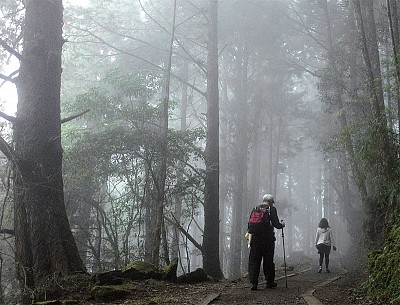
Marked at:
<point>258,220</point>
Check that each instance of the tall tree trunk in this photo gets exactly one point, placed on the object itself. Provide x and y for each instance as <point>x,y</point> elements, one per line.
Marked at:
<point>149,220</point>
<point>277,155</point>
<point>178,203</point>
<point>394,32</point>
<point>240,161</point>
<point>82,235</point>
<point>345,195</point>
<point>289,222</point>
<point>373,45</point>
<point>381,173</point>
<point>211,260</point>
<point>44,242</point>
<point>306,200</point>
<point>373,82</point>
<point>270,150</point>
<point>160,181</point>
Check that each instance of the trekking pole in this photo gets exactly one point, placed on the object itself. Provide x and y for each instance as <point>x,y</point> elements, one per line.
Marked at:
<point>284,254</point>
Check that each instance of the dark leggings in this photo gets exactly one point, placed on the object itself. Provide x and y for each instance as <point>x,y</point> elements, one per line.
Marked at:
<point>321,259</point>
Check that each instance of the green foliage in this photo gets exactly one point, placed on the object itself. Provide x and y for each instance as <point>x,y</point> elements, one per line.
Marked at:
<point>112,155</point>
<point>383,283</point>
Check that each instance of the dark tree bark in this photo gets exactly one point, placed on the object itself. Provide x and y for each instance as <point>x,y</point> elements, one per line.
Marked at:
<point>44,242</point>
<point>160,182</point>
<point>178,203</point>
<point>211,260</point>
<point>240,161</point>
<point>369,50</point>
<point>394,37</point>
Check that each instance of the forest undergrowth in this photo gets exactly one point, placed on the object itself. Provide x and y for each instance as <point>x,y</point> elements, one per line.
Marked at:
<point>383,283</point>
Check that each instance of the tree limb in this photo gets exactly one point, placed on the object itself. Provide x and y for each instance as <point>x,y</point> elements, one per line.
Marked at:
<point>175,223</point>
<point>7,231</point>
<point>10,49</point>
<point>6,149</point>
<point>9,118</point>
<point>7,78</point>
<point>144,60</point>
<point>70,118</point>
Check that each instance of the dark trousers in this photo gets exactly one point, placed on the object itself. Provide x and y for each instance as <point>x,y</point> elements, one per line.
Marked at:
<point>262,248</point>
<point>321,259</point>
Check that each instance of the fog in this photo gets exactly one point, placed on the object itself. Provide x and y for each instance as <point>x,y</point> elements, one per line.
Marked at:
<point>296,117</point>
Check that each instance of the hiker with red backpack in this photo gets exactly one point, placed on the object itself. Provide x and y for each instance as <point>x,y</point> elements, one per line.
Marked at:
<point>263,219</point>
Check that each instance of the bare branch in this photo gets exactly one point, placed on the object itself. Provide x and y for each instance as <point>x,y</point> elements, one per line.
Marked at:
<point>146,61</point>
<point>125,35</point>
<point>308,31</point>
<point>7,231</point>
<point>175,223</point>
<point>155,21</point>
<point>6,149</point>
<point>190,56</point>
<point>70,118</point>
<point>9,118</point>
<point>10,49</point>
<point>7,78</point>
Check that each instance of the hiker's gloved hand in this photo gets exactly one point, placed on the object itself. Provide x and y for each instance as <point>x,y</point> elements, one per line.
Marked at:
<point>283,224</point>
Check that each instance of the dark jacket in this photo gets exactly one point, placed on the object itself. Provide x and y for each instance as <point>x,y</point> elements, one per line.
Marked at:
<point>273,220</point>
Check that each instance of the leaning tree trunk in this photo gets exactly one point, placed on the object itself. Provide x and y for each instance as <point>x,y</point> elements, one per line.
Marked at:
<point>44,242</point>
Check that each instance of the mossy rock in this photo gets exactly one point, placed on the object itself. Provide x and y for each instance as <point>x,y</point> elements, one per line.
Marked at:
<point>113,277</point>
<point>170,271</point>
<point>139,270</point>
<point>57,302</point>
<point>141,266</point>
<point>196,276</point>
<point>110,293</point>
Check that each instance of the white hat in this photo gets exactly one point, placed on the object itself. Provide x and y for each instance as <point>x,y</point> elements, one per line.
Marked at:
<point>268,197</point>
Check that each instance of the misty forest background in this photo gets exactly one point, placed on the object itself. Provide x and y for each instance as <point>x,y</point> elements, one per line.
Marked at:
<point>136,161</point>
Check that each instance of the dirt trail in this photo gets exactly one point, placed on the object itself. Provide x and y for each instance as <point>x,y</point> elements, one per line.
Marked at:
<point>340,287</point>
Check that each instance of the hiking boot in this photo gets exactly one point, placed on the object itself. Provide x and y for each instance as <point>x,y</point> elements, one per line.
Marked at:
<point>272,285</point>
<point>254,287</point>
<point>320,270</point>
<point>327,270</point>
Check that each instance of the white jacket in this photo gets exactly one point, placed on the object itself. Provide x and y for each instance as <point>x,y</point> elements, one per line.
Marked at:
<point>324,236</point>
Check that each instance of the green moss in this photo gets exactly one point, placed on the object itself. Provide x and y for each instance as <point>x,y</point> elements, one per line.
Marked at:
<point>167,268</point>
<point>111,293</point>
<point>142,266</point>
<point>57,302</point>
<point>383,284</point>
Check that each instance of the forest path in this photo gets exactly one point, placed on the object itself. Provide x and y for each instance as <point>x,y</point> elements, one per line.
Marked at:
<point>307,287</point>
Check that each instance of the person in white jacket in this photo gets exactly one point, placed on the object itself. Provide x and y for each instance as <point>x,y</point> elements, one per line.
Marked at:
<point>324,242</point>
